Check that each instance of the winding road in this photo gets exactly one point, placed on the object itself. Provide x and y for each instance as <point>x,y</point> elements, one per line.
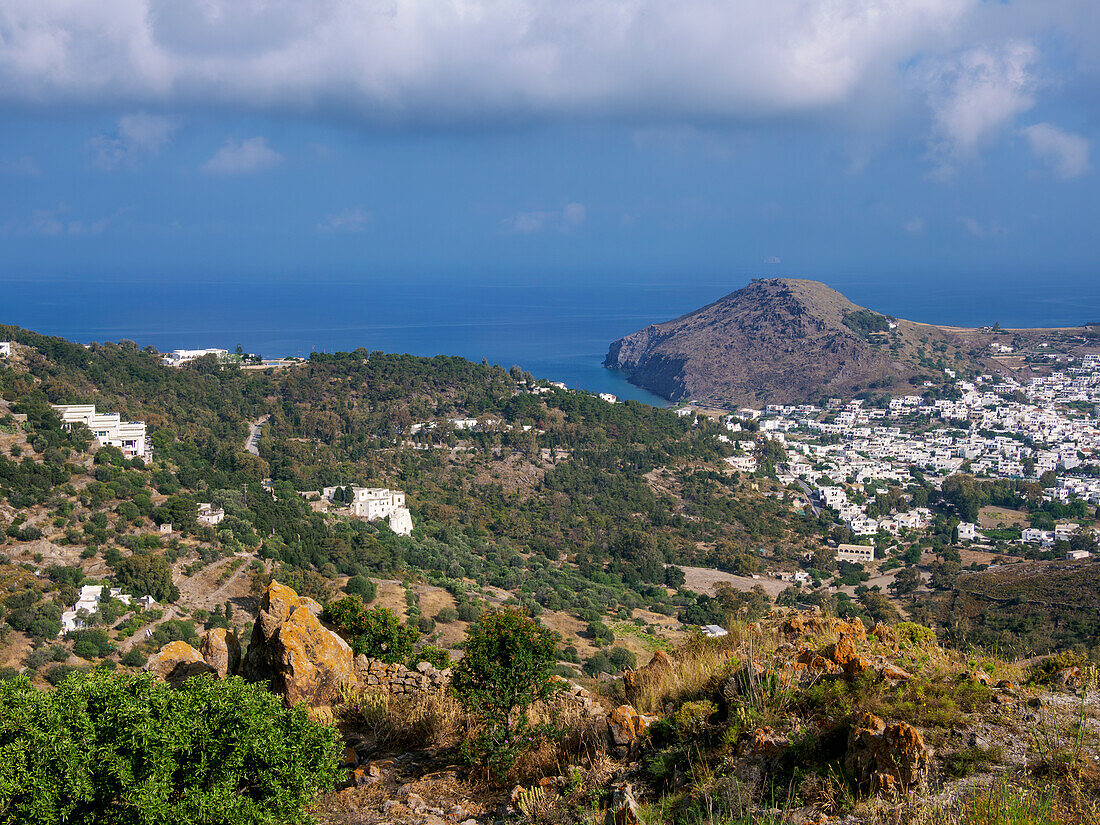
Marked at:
<point>252,443</point>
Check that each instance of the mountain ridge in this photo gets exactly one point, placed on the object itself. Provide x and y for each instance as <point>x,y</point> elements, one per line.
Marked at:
<point>782,340</point>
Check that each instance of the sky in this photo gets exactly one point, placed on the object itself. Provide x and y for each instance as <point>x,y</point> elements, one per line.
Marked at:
<point>895,139</point>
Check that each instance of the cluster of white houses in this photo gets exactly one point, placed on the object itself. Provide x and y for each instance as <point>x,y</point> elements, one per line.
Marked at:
<point>373,503</point>
<point>179,357</point>
<point>109,429</point>
<point>88,601</point>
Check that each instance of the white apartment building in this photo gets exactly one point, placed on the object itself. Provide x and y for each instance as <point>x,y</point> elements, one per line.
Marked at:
<point>109,429</point>
<point>855,553</point>
<point>178,357</point>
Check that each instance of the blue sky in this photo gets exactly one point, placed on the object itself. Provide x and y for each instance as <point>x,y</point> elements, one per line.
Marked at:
<point>583,138</point>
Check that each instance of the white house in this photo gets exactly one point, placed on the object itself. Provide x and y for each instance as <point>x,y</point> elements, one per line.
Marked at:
<point>209,514</point>
<point>88,601</point>
<point>742,463</point>
<point>374,503</point>
<point>967,531</point>
<point>713,631</point>
<point>179,357</point>
<point>608,397</point>
<point>1074,555</point>
<point>855,553</point>
<point>109,429</point>
<point>5,349</point>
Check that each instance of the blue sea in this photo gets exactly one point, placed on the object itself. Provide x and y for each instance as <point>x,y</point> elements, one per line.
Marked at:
<point>556,327</point>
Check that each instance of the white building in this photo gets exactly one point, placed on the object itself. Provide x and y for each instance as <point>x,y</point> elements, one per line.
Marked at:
<point>88,601</point>
<point>967,531</point>
<point>5,349</point>
<point>178,357</point>
<point>742,463</point>
<point>209,514</point>
<point>608,397</point>
<point>855,553</point>
<point>713,631</point>
<point>109,429</point>
<point>374,503</point>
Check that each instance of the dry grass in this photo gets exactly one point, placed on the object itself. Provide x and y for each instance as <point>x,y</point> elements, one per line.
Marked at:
<point>429,720</point>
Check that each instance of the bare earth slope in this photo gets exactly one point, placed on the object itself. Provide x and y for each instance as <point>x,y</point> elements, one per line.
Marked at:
<point>781,340</point>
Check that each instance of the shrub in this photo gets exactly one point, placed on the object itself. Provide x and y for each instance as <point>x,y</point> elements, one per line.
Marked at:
<point>446,615</point>
<point>436,656</point>
<point>147,574</point>
<point>377,633</point>
<point>133,750</point>
<point>133,658</point>
<point>507,665</point>
<point>363,587</point>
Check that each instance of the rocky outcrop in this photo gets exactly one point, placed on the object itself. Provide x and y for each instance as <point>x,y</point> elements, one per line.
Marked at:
<point>777,340</point>
<point>177,662</point>
<point>298,657</point>
<point>221,650</point>
<point>889,758</point>
<point>625,725</point>
<point>660,667</point>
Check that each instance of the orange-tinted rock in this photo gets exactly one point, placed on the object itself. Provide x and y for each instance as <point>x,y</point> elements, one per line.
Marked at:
<point>885,634</point>
<point>625,726</point>
<point>177,662</point>
<point>221,650</point>
<point>299,658</point>
<point>893,673</point>
<point>890,758</point>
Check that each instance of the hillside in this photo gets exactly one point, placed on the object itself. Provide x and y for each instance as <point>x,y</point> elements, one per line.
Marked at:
<point>785,340</point>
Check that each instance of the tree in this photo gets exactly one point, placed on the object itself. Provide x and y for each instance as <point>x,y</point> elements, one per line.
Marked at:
<point>363,587</point>
<point>906,580</point>
<point>136,751</point>
<point>376,633</point>
<point>507,664</point>
<point>147,574</point>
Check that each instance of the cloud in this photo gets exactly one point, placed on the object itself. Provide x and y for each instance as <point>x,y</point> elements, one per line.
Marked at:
<point>23,167</point>
<point>443,61</point>
<point>242,158</point>
<point>974,94</point>
<point>354,219</point>
<point>55,222</point>
<point>982,231</point>
<point>1065,153</point>
<point>137,136</point>
<point>569,217</point>
<point>914,226</point>
<point>772,259</point>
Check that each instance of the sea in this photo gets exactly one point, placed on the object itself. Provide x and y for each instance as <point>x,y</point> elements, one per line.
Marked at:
<point>555,326</point>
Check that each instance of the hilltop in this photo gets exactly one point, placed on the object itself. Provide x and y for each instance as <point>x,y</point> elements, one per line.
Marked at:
<point>788,340</point>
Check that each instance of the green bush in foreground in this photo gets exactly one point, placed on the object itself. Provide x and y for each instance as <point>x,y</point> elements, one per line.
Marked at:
<point>127,750</point>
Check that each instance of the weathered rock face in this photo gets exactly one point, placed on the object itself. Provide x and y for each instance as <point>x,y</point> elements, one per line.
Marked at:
<point>222,651</point>
<point>890,758</point>
<point>625,725</point>
<point>661,666</point>
<point>298,657</point>
<point>177,662</point>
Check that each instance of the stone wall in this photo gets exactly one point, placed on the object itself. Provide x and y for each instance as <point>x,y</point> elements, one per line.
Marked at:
<point>376,676</point>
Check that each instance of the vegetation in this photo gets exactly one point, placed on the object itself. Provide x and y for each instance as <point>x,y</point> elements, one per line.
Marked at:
<point>122,748</point>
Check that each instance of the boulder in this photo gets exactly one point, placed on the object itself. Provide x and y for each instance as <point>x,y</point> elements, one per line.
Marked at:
<point>177,662</point>
<point>625,725</point>
<point>298,657</point>
<point>892,673</point>
<point>221,650</point>
<point>844,655</point>
<point>660,667</point>
<point>891,758</point>
<point>1068,678</point>
<point>623,809</point>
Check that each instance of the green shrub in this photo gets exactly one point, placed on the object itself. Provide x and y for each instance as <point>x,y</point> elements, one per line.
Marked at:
<point>507,664</point>
<point>377,633</point>
<point>123,748</point>
<point>363,587</point>
<point>435,656</point>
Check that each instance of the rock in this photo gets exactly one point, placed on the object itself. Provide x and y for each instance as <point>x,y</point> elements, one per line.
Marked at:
<point>623,809</point>
<point>843,654</point>
<point>1068,679</point>
<point>415,802</point>
<point>660,667</point>
<point>299,658</point>
<point>625,725</point>
<point>221,650</point>
<point>762,745</point>
<point>885,635</point>
<point>980,677</point>
<point>889,758</point>
<point>178,662</point>
<point>892,673</point>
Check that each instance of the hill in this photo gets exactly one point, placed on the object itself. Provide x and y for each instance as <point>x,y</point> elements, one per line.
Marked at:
<point>785,340</point>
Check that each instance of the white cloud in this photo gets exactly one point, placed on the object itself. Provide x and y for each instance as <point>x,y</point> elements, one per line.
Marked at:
<point>354,219</point>
<point>976,93</point>
<point>23,167</point>
<point>1065,153</point>
<point>447,60</point>
<point>137,136</point>
<point>242,157</point>
<point>914,226</point>
<point>982,231</point>
<point>55,222</point>
<point>569,217</point>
